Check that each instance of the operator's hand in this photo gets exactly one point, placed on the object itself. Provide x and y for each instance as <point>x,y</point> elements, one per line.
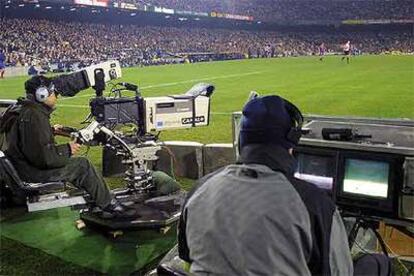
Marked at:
<point>74,147</point>
<point>57,127</point>
<point>57,130</point>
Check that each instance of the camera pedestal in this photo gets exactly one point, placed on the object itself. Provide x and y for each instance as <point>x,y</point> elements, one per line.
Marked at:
<point>152,212</point>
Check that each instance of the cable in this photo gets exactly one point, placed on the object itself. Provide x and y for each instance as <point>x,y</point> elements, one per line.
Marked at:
<point>380,240</point>
<point>411,270</point>
<point>157,135</point>
<point>113,86</point>
<point>362,249</point>
<point>88,119</point>
<point>384,246</point>
<point>353,233</point>
<point>172,159</point>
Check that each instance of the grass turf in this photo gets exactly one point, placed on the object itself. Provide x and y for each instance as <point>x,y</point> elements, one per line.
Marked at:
<point>373,86</point>
<point>18,259</point>
<point>54,232</point>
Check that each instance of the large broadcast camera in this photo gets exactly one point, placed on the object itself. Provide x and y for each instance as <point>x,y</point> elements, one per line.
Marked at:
<point>95,76</point>
<point>148,116</point>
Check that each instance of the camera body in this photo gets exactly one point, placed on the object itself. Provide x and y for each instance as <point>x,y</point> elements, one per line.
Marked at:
<point>147,114</point>
<point>96,76</point>
<point>155,113</point>
<point>164,113</point>
<point>190,109</point>
<point>111,70</point>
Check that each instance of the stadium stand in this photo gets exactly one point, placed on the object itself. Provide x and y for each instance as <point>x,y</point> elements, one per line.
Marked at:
<point>42,42</point>
<point>296,10</point>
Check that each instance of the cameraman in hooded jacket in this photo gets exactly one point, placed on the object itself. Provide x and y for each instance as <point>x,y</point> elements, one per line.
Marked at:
<point>255,217</point>
<point>30,145</point>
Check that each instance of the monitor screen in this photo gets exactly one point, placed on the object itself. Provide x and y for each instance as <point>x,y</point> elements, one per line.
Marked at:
<point>316,169</point>
<point>366,177</point>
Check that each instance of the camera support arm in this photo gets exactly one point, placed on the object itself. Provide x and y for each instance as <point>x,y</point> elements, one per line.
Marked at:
<point>138,176</point>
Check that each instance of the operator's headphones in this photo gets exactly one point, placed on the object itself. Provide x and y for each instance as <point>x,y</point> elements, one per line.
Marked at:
<point>296,116</point>
<point>43,91</point>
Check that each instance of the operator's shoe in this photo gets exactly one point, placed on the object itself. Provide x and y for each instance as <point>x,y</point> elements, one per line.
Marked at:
<point>117,210</point>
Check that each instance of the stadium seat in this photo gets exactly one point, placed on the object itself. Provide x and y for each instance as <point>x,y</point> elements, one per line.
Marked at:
<point>36,196</point>
<point>20,187</point>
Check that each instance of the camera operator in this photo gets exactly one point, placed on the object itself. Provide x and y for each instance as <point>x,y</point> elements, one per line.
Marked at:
<point>254,217</point>
<point>30,145</point>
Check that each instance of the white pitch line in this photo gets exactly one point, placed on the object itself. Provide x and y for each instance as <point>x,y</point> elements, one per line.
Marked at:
<point>177,83</point>
<point>87,107</point>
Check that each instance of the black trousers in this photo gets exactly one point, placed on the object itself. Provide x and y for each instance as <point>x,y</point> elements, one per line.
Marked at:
<point>83,175</point>
<point>373,264</point>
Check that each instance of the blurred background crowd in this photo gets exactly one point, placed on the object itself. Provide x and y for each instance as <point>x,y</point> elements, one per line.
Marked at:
<point>25,42</point>
<point>296,10</point>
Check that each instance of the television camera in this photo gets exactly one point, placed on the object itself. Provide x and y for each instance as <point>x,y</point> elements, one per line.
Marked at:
<point>148,116</point>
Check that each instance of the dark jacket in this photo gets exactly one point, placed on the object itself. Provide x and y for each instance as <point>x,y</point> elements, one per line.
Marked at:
<point>255,218</point>
<point>29,140</point>
<point>32,71</point>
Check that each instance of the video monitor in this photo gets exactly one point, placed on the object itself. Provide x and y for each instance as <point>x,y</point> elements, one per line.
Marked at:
<point>368,183</point>
<point>366,178</point>
<point>317,169</point>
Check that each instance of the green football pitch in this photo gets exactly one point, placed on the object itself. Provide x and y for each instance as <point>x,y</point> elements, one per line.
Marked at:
<point>370,86</point>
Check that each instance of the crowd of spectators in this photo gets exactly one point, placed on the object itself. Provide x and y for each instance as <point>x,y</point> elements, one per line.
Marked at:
<point>26,42</point>
<point>297,10</point>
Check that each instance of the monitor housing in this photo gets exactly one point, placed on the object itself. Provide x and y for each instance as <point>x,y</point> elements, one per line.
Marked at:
<point>361,184</point>
<point>317,166</point>
<point>369,184</point>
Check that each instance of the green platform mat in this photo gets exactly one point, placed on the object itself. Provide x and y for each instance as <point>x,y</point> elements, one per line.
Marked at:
<point>54,232</point>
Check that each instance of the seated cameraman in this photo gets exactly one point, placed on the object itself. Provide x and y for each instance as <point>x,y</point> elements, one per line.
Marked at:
<point>254,217</point>
<point>30,145</point>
